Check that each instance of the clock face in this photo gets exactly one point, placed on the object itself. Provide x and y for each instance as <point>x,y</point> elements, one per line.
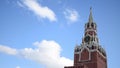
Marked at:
<point>87,38</point>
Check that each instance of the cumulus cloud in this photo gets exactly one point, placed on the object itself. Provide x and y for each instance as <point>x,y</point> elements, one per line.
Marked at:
<point>71,15</point>
<point>38,9</point>
<point>46,53</point>
<point>8,50</point>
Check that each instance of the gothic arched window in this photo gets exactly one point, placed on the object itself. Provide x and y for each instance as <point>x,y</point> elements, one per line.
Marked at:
<point>87,25</point>
<point>92,25</point>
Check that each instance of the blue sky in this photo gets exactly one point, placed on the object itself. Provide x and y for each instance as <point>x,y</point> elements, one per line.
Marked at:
<point>43,33</point>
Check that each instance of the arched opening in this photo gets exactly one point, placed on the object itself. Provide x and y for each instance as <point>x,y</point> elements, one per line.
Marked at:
<point>84,55</point>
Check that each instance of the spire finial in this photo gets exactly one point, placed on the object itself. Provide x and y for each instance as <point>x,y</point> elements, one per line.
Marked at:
<point>90,8</point>
<point>90,16</point>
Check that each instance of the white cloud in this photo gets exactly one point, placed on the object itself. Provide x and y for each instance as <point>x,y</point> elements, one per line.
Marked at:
<point>40,11</point>
<point>46,53</point>
<point>71,15</point>
<point>17,66</point>
<point>8,50</point>
<point>20,4</point>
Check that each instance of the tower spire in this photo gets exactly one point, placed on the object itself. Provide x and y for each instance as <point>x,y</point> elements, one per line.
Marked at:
<point>90,16</point>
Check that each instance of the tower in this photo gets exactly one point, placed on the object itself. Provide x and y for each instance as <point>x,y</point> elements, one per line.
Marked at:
<point>89,54</point>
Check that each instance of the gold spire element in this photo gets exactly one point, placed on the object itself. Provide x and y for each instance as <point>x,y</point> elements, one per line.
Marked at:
<point>90,16</point>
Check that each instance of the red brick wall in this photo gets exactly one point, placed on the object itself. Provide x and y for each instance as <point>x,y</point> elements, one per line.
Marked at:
<point>101,61</point>
<point>97,61</point>
<point>76,59</point>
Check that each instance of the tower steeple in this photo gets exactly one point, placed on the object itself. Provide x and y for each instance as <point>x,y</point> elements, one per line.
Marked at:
<point>90,16</point>
<point>90,35</point>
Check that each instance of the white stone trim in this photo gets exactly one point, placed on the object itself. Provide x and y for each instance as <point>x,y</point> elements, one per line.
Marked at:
<point>91,30</point>
<point>101,54</point>
<point>81,52</point>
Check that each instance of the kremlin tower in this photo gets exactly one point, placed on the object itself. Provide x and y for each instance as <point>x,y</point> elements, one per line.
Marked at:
<point>89,54</point>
